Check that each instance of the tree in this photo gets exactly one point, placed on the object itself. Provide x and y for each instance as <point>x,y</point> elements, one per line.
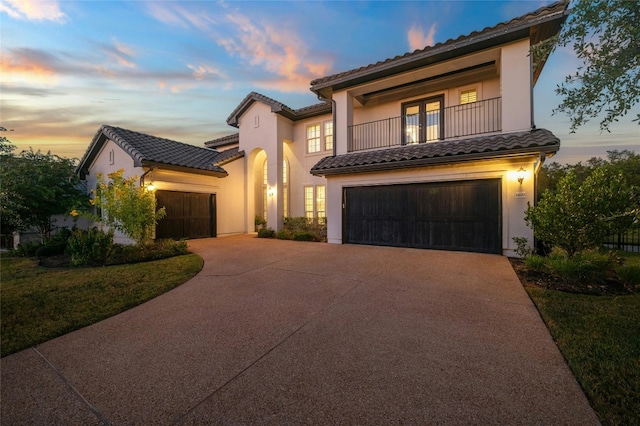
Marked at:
<point>126,206</point>
<point>579,216</point>
<point>35,187</point>
<point>605,35</point>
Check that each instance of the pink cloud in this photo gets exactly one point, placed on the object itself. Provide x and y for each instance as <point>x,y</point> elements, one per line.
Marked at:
<point>279,51</point>
<point>417,39</point>
<point>39,10</point>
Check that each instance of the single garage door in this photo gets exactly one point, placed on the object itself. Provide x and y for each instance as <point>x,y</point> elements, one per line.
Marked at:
<point>445,215</point>
<point>189,215</point>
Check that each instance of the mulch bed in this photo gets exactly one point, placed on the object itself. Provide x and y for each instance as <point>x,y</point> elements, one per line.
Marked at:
<point>541,279</point>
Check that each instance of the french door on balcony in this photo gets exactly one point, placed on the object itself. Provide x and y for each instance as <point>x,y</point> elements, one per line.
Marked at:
<point>423,120</point>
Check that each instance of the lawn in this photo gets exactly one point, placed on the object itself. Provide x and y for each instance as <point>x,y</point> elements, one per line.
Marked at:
<point>40,303</point>
<point>599,337</point>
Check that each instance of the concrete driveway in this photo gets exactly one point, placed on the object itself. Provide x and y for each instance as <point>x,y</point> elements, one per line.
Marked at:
<point>282,332</point>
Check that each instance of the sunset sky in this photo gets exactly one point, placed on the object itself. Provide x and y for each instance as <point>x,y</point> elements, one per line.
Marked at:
<point>178,69</point>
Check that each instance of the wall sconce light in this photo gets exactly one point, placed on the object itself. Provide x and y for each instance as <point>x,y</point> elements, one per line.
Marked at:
<point>270,192</point>
<point>520,175</point>
<point>151,187</point>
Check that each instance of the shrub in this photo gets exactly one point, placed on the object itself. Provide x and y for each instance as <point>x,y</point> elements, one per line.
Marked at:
<point>523,249</point>
<point>266,233</point>
<point>90,247</point>
<point>585,267</point>
<point>535,262</point>
<point>304,236</point>
<point>629,274</point>
<point>161,249</point>
<point>26,249</point>
<point>127,207</point>
<point>303,226</point>
<point>284,235</point>
<point>578,216</point>
<point>260,222</point>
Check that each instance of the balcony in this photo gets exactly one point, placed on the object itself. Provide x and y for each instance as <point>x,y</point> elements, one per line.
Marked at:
<point>431,126</point>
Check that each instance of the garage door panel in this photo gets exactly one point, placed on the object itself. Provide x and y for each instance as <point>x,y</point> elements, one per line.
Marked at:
<point>444,215</point>
<point>189,215</point>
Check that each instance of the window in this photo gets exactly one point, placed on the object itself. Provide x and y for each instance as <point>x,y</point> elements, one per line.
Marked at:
<point>468,96</point>
<point>320,137</point>
<point>320,201</point>
<point>423,120</point>
<point>313,138</point>
<point>315,201</point>
<point>328,135</point>
<point>308,202</point>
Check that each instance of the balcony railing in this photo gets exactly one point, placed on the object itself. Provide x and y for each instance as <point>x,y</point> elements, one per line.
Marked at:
<point>453,122</point>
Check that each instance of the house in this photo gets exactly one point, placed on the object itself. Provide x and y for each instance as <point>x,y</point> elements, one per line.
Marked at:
<point>436,148</point>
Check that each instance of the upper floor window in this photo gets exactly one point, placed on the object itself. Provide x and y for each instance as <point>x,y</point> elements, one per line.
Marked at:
<point>320,137</point>
<point>328,135</point>
<point>468,96</point>
<point>423,120</point>
<point>313,138</point>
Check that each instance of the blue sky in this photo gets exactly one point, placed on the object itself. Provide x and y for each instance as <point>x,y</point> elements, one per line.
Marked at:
<point>178,69</point>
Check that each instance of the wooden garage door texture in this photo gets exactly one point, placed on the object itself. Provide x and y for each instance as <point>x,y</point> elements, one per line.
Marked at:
<point>444,215</point>
<point>189,215</point>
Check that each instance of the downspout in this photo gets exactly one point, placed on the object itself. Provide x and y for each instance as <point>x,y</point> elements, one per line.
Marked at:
<point>333,119</point>
<point>533,123</point>
<point>144,175</point>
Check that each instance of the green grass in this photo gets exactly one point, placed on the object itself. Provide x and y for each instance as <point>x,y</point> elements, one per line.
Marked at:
<point>599,337</point>
<point>39,303</point>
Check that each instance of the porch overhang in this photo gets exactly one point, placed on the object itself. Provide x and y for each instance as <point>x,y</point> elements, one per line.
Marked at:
<point>509,145</point>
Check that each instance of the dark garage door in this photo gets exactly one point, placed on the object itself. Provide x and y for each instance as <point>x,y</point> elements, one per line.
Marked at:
<point>189,215</point>
<point>444,215</point>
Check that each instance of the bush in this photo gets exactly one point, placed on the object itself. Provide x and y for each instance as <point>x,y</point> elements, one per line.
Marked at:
<point>579,216</point>
<point>535,262</point>
<point>90,247</point>
<point>587,267</point>
<point>304,236</point>
<point>304,229</point>
<point>161,249</point>
<point>284,235</point>
<point>629,274</point>
<point>26,249</point>
<point>523,249</point>
<point>56,245</point>
<point>266,233</point>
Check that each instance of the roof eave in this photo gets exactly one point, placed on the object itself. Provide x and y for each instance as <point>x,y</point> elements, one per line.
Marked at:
<point>185,169</point>
<point>422,162</point>
<point>446,51</point>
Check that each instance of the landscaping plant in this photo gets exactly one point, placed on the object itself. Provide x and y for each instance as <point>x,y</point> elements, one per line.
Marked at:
<point>126,206</point>
<point>579,216</point>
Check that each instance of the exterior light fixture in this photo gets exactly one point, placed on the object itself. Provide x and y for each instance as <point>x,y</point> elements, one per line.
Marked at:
<point>520,174</point>
<point>151,187</point>
<point>270,192</point>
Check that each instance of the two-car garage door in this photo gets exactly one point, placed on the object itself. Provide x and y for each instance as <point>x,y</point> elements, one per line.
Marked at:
<point>444,215</point>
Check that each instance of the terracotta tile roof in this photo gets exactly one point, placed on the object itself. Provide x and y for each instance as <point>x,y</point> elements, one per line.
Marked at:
<point>278,108</point>
<point>147,150</point>
<point>498,34</point>
<point>450,151</point>
<point>228,156</point>
<point>223,141</point>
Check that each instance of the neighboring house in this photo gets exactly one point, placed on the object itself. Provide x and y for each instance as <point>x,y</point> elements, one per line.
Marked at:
<point>433,149</point>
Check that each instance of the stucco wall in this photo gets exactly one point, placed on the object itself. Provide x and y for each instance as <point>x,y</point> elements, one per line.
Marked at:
<point>515,73</point>
<point>110,159</point>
